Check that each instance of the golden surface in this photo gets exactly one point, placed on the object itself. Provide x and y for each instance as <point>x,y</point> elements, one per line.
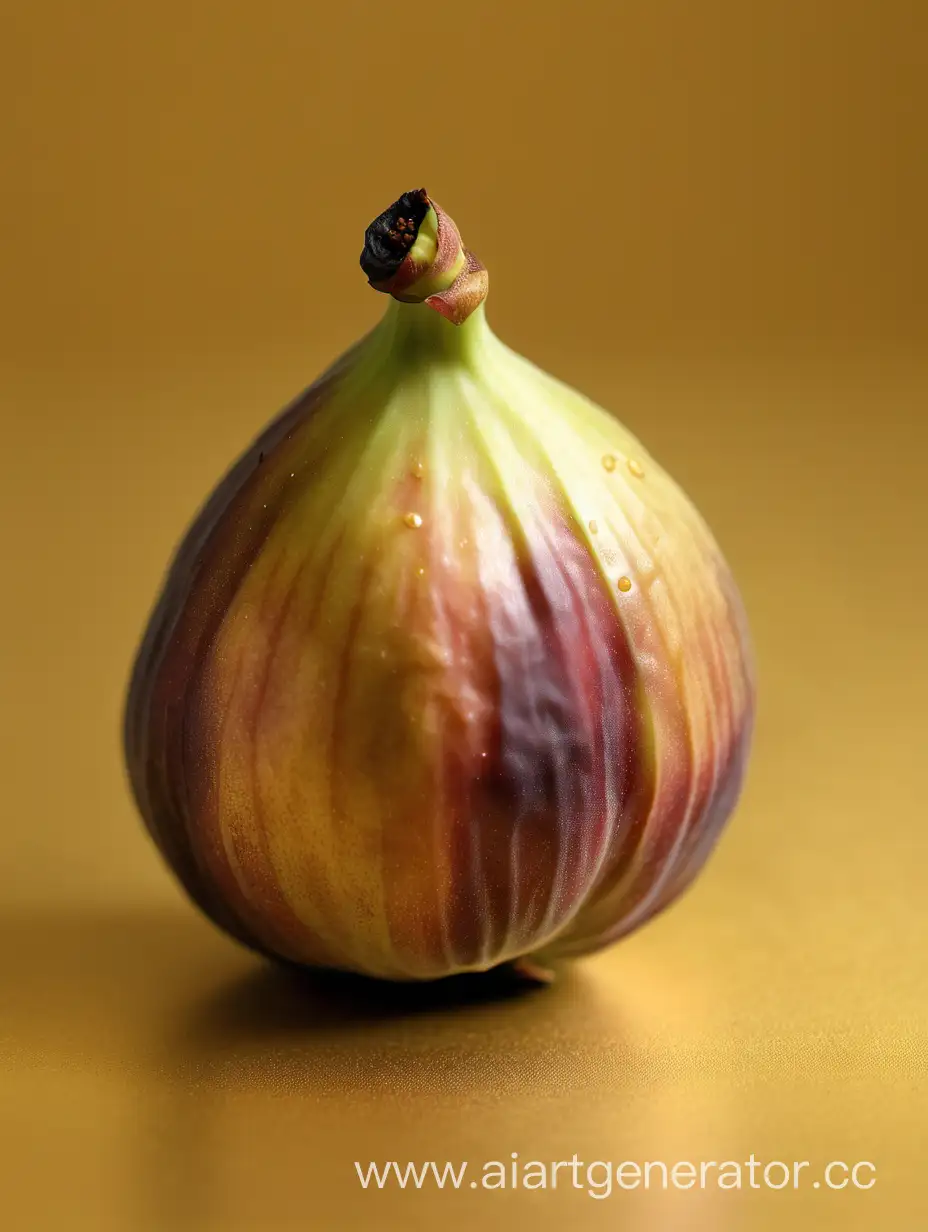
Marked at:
<point>185,192</point>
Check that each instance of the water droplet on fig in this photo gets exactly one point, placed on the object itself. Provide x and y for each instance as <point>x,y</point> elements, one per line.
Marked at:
<point>413,520</point>
<point>421,571</point>
<point>625,583</point>
<point>636,468</point>
<point>594,527</point>
<point>609,462</point>
<point>418,470</point>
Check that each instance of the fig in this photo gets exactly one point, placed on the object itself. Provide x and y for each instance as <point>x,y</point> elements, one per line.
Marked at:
<point>447,672</point>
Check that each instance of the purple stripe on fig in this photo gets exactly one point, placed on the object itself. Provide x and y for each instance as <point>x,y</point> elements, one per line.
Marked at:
<point>200,583</point>
<point>264,909</point>
<point>543,775</point>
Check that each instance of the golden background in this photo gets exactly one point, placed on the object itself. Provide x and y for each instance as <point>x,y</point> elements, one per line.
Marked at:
<point>711,218</point>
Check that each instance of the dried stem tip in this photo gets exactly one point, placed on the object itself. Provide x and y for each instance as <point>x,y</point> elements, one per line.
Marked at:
<point>413,251</point>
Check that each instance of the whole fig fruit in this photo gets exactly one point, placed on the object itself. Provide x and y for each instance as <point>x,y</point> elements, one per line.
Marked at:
<point>447,672</point>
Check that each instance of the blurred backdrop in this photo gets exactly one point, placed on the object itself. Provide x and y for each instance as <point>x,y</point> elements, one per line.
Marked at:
<point>657,189</point>
<point>708,216</point>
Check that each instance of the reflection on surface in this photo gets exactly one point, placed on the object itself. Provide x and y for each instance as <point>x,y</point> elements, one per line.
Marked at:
<point>187,1085</point>
<point>177,1082</point>
<point>132,988</point>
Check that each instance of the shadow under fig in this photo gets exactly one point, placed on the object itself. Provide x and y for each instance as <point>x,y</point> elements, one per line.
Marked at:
<point>331,1034</point>
<point>275,998</point>
<point>164,994</point>
<point>339,1049</point>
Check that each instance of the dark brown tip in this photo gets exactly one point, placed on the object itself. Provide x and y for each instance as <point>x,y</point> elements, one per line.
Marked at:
<point>391,235</point>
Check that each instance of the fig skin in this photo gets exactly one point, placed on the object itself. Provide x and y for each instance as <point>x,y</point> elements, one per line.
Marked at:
<point>396,712</point>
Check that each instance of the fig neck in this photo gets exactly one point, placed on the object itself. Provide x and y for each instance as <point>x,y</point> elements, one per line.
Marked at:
<point>415,334</point>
